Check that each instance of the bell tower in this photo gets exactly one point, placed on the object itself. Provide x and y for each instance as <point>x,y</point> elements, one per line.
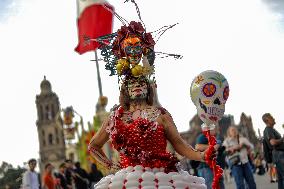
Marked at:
<point>49,127</point>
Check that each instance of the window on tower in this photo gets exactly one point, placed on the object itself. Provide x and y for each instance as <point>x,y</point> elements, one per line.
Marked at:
<point>52,111</point>
<point>57,137</point>
<point>50,139</point>
<point>40,112</point>
<point>43,137</point>
<point>46,112</point>
<point>48,115</point>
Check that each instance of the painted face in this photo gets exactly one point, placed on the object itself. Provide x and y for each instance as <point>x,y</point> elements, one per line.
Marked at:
<point>133,49</point>
<point>209,92</point>
<point>137,90</point>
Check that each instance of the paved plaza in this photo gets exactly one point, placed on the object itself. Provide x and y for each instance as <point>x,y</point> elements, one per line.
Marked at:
<point>262,182</point>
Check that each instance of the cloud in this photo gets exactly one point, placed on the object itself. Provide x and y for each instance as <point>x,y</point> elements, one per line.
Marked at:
<point>277,7</point>
<point>8,8</point>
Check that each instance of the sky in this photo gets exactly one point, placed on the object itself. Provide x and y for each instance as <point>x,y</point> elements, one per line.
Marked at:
<point>243,40</point>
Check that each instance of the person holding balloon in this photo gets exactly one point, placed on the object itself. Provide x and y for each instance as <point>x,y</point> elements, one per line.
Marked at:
<point>139,128</point>
<point>139,132</point>
<point>209,92</point>
<point>203,169</point>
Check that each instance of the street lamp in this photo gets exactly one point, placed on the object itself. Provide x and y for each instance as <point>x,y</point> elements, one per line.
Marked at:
<point>69,126</point>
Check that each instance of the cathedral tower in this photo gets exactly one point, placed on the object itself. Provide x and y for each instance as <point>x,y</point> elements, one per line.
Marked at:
<point>49,127</point>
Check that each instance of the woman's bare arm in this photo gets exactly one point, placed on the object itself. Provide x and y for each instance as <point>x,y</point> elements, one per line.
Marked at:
<point>96,144</point>
<point>201,147</point>
<point>177,142</point>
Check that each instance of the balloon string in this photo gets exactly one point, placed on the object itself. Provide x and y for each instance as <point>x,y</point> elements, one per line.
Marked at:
<point>217,170</point>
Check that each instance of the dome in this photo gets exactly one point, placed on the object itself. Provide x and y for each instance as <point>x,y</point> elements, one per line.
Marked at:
<point>45,86</point>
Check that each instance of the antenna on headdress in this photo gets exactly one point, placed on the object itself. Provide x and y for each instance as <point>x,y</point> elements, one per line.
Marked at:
<point>120,18</point>
<point>158,33</point>
<point>165,55</point>
<point>114,55</point>
<point>138,11</point>
<point>162,30</point>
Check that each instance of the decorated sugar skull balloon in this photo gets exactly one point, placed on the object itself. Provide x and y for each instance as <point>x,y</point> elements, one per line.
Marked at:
<point>209,92</point>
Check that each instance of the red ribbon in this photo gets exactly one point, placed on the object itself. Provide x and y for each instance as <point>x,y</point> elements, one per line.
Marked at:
<point>217,170</point>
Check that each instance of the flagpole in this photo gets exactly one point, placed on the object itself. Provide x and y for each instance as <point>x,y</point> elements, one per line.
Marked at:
<point>77,2</point>
<point>98,74</point>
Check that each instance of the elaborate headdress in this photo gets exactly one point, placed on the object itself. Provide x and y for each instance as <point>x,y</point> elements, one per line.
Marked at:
<point>133,29</point>
<point>123,50</point>
<point>133,41</point>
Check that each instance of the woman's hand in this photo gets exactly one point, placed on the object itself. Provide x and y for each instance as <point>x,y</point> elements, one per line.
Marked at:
<point>238,147</point>
<point>235,148</point>
<point>217,146</point>
<point>210,153</point>
<point>114,166</point>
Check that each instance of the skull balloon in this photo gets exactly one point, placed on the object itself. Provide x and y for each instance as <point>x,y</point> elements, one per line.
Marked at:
<point>209,92</point>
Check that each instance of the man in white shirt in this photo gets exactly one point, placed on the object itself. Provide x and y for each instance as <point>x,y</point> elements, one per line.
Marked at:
<point>30,177</point>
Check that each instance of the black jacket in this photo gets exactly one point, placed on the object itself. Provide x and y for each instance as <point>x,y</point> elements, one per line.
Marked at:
<point>63,180</point>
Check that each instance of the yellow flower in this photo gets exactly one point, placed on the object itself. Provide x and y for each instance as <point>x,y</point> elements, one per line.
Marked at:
<point>137,70</point>
<point>122,65</point>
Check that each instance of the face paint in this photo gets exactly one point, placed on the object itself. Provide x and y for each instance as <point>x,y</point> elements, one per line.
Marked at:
<point>133,49</point>
<point>137,90</point>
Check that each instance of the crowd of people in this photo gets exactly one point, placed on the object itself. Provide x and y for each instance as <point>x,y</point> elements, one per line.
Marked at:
<point>237,157</point>
<point>67,176</point>
<point>234,154</point>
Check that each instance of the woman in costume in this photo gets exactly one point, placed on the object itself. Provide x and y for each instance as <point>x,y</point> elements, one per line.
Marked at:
<point>139,130</point>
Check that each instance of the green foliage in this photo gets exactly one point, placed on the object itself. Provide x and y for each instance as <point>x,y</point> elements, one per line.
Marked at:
<point>97,123</point>
<point>10,176</point>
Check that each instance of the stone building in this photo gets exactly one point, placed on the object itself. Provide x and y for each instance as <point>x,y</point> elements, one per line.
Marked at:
<point>245,128</point>
<point>194,130</point>
<point>50,130</point>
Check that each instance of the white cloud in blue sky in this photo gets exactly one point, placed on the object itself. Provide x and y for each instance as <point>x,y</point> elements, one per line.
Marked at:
<point>8,8</point>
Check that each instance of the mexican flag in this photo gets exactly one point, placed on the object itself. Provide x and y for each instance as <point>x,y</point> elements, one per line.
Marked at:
<point>95,18</point>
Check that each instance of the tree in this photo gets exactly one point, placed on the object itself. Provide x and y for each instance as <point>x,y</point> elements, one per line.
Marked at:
<point>10,176</point>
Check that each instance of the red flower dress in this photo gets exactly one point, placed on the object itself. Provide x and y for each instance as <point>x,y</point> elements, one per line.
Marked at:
<point>143,157</point>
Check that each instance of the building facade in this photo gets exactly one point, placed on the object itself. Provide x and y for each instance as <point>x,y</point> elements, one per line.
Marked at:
<point>49,127</point>
<point>245,128</point>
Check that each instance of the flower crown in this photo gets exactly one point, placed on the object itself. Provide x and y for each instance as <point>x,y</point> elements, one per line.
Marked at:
<point>134,29</point>
<point>125,60</point>
<point>113,50</point>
